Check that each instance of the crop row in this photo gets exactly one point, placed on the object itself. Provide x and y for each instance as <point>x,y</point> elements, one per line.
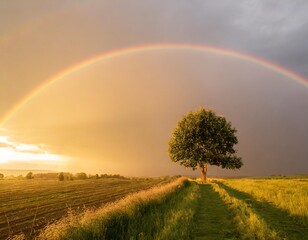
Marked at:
<point>30,205</point>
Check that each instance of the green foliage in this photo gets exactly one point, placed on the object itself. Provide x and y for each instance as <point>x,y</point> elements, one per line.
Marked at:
<point>202,138</point>
<point>29,175</point>
<point>61,176</point>
<point>1,175</point>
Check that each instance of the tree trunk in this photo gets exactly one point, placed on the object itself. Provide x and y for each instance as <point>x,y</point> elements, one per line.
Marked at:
<point>203,171</point>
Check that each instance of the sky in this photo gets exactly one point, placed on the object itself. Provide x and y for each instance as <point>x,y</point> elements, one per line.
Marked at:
<point>117,114</point>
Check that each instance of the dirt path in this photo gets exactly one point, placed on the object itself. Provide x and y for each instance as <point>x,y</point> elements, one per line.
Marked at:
<point>213,220</point>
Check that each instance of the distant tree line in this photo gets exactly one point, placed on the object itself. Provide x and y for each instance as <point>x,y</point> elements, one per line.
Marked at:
<point>67,176</point>
<point>82,175</point>
<point>62,176</point>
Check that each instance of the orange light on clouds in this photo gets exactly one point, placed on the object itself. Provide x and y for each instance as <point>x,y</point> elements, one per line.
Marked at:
<point>12,151</point>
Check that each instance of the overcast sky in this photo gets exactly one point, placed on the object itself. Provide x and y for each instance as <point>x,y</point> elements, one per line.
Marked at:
<point>117,116</point>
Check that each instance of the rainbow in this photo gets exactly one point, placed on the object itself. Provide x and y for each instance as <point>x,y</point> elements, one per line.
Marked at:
<point>140,49</point>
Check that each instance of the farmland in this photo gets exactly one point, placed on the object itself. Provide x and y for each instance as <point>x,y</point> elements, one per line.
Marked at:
<point>261,209</point>
<point>219,209</point>
<point>28,205</point>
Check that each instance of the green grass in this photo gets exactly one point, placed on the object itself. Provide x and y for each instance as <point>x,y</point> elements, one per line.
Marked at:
<point>28,205</point>
<point>288,195</point>
<point>213,219</point>
<point>249,224</point>
<point>247,209</point>
<point>164,212</point>
<point>273,217</point>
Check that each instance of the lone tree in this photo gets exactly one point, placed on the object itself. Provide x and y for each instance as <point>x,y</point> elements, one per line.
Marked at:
<point>201,138</point>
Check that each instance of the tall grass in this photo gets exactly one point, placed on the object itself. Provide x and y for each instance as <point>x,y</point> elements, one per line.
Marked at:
<point>250,225</point>
<point>163,212</point>
<point>20,200</point>
<point>288,194</point>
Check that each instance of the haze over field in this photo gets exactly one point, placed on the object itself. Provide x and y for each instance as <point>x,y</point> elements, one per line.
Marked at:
<point>117,114</point>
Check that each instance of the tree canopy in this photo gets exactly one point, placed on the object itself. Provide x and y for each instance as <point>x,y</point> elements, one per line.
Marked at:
<point>203,137</point>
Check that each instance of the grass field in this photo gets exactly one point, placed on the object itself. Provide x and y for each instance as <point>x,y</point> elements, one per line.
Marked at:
<point>263,209</point>
<point>164,212</point>
<point>291,196</point>
<point>267,209</point>
<point>28,205</point>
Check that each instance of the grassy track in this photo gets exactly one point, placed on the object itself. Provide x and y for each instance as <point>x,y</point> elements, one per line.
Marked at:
<point>289,195</point>
<point>224,212</point>
<point>213,219</point>
<point>165,213</point>
<point>284,225</point>
<point>28,205</point>
<point>249,224</point>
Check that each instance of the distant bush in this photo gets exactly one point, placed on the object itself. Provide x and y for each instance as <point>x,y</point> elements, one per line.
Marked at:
<point>112,176</point>
<point>1,175</point>
<point>70,177</point>
<point>96,176</point>
<point>51,175</point>
<point>29,175</point>
<point>61,176</point>
<point>81,175</point>
<point>19,177</point>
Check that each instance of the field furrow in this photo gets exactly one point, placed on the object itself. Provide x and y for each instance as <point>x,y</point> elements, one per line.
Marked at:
<point>27,206</point>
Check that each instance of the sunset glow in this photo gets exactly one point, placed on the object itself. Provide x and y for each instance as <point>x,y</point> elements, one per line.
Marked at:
<point>194,110</point>
<point>105,96</point>
<point>11,151</point>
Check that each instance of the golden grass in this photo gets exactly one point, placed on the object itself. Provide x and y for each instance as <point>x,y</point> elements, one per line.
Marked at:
<point>288,194</point>
<point>248,222</point>
<point>128,205</point>
<point>181,218</point>
<point>50,199</point>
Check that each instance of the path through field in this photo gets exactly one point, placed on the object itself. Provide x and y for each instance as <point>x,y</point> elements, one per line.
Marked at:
<point>279,220</point>
<point>213,219</point>
<point>242,216</point>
